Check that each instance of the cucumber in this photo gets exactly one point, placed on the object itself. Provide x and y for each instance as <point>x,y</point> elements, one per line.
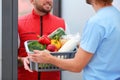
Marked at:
<point>57,33</point>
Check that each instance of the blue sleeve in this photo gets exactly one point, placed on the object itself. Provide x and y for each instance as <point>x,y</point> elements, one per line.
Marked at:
<point>92,37</point>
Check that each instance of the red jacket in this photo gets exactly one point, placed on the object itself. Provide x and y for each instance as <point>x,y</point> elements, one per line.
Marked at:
<point>29,28</point>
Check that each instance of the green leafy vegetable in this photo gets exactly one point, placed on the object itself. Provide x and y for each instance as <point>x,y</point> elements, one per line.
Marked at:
<point>35,45</point>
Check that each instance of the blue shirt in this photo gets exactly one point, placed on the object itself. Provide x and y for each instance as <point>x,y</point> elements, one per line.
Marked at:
<point>101,37</point>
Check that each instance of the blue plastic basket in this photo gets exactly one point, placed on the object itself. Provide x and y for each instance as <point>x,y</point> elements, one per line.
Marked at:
<point>49,67</point>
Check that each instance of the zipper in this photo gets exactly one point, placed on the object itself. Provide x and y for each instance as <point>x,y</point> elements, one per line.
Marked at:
<point>41,25</point>
<point>41,33</point>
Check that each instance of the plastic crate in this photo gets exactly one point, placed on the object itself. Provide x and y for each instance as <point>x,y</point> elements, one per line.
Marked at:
<point>49,67</point>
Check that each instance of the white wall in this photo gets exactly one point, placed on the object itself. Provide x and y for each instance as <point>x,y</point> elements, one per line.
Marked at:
<point>0,37</point>
<point>76,13</point>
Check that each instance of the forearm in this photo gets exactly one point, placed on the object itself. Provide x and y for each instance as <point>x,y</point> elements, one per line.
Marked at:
<point>76,64</point>
<point>66,64</point>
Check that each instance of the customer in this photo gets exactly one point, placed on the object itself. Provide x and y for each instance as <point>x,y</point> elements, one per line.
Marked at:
<point>99,51</point>
<point>39,22</point>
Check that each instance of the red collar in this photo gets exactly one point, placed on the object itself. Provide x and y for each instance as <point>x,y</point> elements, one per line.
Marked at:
<point>35,15</point>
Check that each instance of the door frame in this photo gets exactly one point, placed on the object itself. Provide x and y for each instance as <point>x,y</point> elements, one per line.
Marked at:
<point>9,39</point>
<point>57,7</point>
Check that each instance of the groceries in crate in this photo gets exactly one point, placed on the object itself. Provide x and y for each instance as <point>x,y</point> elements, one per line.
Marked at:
<point>57,41</point>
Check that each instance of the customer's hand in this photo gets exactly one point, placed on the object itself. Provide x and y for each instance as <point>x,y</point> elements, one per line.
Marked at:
<point>40,56</point>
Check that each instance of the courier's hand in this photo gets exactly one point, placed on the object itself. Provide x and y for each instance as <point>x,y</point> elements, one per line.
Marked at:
<point>26,64</point>
<point>40,56</point>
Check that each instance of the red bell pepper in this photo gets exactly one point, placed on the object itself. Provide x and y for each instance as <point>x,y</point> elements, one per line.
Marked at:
<point>44,40</point>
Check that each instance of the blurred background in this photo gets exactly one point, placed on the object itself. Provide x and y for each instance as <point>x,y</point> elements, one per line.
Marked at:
<point>24,7</point>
